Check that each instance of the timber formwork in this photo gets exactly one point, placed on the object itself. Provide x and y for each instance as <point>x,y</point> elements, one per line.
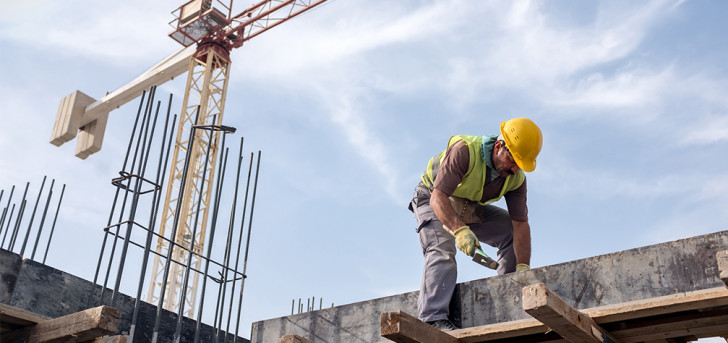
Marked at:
<point>669,292</point>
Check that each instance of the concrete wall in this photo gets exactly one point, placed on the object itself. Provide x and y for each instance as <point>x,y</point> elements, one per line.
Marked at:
<point>35,287</point>
<point>661,269</point>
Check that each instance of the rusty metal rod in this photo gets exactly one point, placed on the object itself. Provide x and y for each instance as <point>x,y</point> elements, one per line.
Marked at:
<point>116,196</point>
<point>32,217</point>
<point>213,226</point>
<point>247,244</point>
<point>42,220</point>
<point>50,236</point>
<point>155,211</point>
<point>185,170</point>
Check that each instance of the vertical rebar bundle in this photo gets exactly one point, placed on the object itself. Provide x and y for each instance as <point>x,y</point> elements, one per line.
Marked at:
<point>137,200</point>
<point>11,233</point>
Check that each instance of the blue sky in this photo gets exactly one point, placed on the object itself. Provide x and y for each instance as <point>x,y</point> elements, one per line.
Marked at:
<point>350,100</point>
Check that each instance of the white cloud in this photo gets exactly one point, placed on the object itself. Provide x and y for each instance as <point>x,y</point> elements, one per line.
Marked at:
<point>105,31</point>
<point>626,89</point>
<point>709,130</point>
<point>366,143</point>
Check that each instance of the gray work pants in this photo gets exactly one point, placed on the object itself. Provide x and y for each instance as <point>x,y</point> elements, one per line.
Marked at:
<point>438,247</point>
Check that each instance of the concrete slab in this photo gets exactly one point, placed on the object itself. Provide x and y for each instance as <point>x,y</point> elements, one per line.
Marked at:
<point>9,270</point>
<point>641,273</point>
<point>53,293</point>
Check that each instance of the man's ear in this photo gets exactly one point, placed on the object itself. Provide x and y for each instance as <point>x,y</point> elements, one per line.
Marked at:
<point>498,144</point>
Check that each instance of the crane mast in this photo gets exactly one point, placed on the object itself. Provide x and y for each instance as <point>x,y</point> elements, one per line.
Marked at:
<point>206,88</point>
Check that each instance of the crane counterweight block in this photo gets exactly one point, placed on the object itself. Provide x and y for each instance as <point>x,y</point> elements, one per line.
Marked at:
<point>68,123</point>
<point>68,118</point>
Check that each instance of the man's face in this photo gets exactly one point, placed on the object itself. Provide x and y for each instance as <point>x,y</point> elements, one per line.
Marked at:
<point>503,160</point>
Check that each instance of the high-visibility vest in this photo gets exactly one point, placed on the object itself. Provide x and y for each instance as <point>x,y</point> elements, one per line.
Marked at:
<point>471,186</point>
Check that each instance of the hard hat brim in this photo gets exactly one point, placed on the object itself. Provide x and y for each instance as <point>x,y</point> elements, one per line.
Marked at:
<point>525,165</point>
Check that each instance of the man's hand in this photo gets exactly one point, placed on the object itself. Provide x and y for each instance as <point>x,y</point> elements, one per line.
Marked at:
<point>522,267</point>
<point>466,240</point>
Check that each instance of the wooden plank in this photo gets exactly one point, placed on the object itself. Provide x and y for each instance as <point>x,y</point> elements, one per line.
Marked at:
<point>21,314</point>
<point>80,326</point>
<point>603,314</point>
<point>294,339</point>
<point>504,330</point>
<point>697,326</point>
<point>722,257</point>
<point>109,339</point>
<point>401,327</point>
<point>678,302</point>
<point>13,318</point>
<point>571,324</point>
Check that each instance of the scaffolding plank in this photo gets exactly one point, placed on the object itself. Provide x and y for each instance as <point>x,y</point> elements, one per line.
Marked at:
<point>294,339</point>
<point>696,326</point>
<point>401,327</point>
<point>109,339</point>
<point>603,315</point>
<point>13,318</point>
<point>81,326</point>
<point>504,330</point>
<point>571,324</point>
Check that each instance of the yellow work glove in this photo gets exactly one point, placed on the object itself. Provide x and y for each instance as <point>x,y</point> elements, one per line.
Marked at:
<point>465,240</point>
<point>522,267</point>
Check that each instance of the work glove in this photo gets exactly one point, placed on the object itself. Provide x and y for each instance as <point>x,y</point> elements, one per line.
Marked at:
<point>522,267</point>
<point>465,240</point>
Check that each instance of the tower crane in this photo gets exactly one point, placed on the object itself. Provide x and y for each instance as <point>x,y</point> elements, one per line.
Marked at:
<point>214,31</point>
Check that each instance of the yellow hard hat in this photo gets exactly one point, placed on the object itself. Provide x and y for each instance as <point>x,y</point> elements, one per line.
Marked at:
<point>523,139</point>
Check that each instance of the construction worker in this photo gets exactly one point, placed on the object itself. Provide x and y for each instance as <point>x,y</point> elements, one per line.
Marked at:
<point>452,207</point>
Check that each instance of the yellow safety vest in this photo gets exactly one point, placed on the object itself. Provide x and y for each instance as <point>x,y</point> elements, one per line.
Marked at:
<point>471,186</point>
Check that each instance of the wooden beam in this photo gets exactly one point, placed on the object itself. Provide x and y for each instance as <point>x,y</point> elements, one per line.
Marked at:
<point>109,339</point>
<point>294,339</point>
<point>656,306</point>
<point>678,302</point>
<point>722,257</point>
<point>13,318</point>
<point>698,326</point>
<point>401,327</point>
<point>80,326</point>
<point>571,324</point>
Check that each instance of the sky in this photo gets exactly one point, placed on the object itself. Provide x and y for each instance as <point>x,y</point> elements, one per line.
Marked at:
<point>349,101</point>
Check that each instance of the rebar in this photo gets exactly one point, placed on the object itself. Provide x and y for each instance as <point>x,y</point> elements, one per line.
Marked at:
<point>157,319</point>
<point>144,158</point>
<point>242,221</point>
<point>185,282</point>
<point>153,217</point>
<point>50,236</point>
<point>247,244</point>
<point>8,227</point>
<point>5,211</point>
<point>18,220</point>
<point>213,226</point>
<point>142,133</point>
<point>116,198</point>
<point>42,219</point>
<point>32,217</point>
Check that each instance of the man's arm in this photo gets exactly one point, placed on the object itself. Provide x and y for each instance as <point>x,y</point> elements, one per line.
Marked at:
<point>440,203</point>
<point>521,242</point>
